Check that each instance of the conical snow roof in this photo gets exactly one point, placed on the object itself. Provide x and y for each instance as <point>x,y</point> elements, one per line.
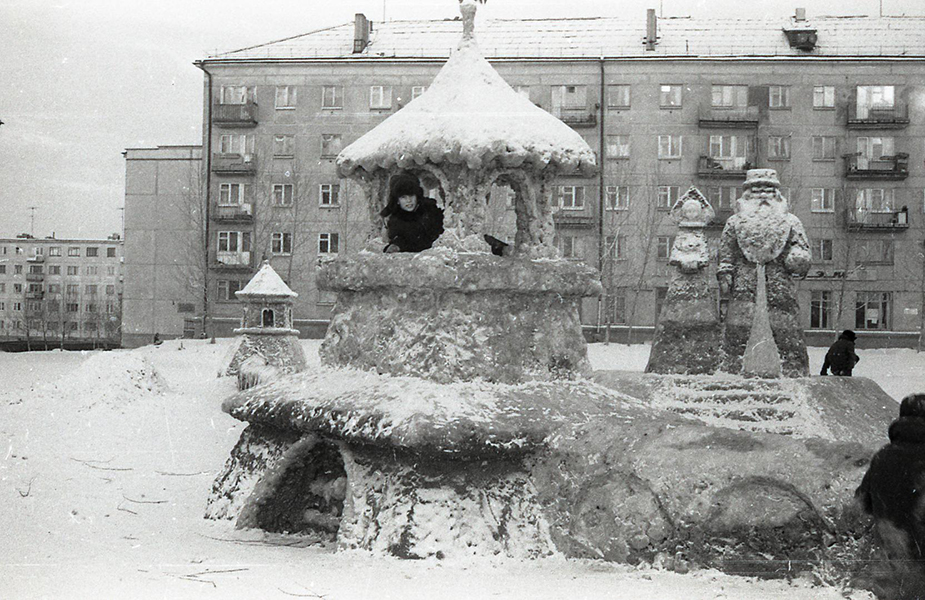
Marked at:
<point>470,116</point>
<point>266,284</point>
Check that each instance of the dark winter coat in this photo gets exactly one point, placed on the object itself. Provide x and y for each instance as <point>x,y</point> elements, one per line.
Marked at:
<point>416,230</point>
<point>840,357</point>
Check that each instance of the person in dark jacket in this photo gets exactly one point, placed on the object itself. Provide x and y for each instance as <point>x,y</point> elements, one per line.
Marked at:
<point>413,221</point>
<point>841,357</point>
<point>893,491</point>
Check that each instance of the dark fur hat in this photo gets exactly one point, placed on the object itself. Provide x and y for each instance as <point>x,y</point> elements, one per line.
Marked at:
<point>849,335</point>
<point>403,184</point>
<point>913,405</point>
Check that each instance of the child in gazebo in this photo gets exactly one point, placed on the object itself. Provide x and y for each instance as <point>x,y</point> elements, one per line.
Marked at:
<point>413,221</point>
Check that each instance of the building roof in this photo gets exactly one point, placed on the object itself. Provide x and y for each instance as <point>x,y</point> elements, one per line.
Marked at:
<point>266,284</point>
<point>611,37</point>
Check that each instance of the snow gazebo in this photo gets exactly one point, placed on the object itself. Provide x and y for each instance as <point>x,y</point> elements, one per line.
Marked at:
<point>455,312</point>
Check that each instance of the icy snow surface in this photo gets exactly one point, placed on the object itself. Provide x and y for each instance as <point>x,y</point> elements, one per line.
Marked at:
<point>104,499</point>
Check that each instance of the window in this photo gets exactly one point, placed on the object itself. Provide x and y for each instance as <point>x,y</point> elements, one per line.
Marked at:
<point>38,251</point>
<point>328,243</point>
<point>329,195</point>
<point>876,200</point>
<point>667,196</point>
<point>669,146</point>
<point>875,252</point>
<point>17,269</point>
<point>569,246</point>
<point>72,307</point>
<point>615,307</point>
<point>17,306</point>
<point>282,194</point>
<point>417,90</point>
<point>823,147</point>
<point>569,98</point>
<point>873,149</point>
<point>823,200</point>
<point>110,270</point>
<point>36,269</point>
<point>230,194</point>
<point>110,252</point>
<point>571,197</point>
<point>729,96</point>
<point>73,270</point>
<point>90,290</point>
<point>778,96</point>
<point>72,325</point>
<point>73,251</point>
<point>872,310</point>
<point>234,241</point>
<point>54,269</point>
<point>778,147</point>
<point>618,96</point>
<point>110,290</point>
<point>822,250</point>
<point>332,96</point>
<point>90,308</point>
<point>283,145</point>
<point>2,269</point>
<point>669,96</point>
<point>618,146</point>
<point>233,94</point>
<point>824,96</point>
<point>90,327</point>
<point>92,271</point>
<point>730,151</point>
<point>227,288</point>
<point>663,245</point>
<point>72,289</point>
<point>618,197</point>
<point>723,198</point>
<point>281,243</point>
<point>874,98</point>
<point>523,90</point>
<point>54,251</point>
<point>53,306</point>
<point>285,97</point>
<point>331,145</point>
<point>615,246</point>
<point>54,288</point>
<point>233,143</point>
<point>380,96</point>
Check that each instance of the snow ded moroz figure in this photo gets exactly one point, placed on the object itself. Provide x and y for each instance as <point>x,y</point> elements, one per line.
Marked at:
<point>762,247</point>
<point>688,336</point>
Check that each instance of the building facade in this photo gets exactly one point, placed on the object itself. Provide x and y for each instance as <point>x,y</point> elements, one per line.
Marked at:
<point>60,293</point>
<point>835,105</point>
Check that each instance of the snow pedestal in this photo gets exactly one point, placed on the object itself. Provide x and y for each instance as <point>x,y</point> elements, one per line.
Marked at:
<point>449,316</point>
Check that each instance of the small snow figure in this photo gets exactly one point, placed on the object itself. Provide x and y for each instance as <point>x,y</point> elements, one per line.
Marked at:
<point>157,339</point>
<point>891,491</point>
<point>414,221</point>
<point>841,357</point>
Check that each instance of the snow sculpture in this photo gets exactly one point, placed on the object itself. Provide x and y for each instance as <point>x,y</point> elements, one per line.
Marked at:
<point>688,339</point>
<point>455,312</point>
<point>762,246</point>
<point>266,337</point>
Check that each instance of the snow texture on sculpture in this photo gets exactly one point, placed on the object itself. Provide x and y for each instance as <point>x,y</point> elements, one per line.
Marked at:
<point>762,247</point>
<point>266,337</point>
<point>688,336</point>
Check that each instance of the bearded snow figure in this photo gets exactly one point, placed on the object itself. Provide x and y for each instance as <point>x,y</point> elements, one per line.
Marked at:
<point>762,247</point>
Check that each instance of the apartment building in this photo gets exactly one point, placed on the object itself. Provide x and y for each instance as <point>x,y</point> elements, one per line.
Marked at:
<point>60,292</point>
<point>835,104</point>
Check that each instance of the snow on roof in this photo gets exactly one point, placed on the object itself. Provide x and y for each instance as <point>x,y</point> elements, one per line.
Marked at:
<point>266,283</point>
<point>612,37</point>
<point>470,115</point>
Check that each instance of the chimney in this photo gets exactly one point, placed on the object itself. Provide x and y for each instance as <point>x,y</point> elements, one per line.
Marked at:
<point>651,29</point>
<point>800,15</point>
<point>361,27</point>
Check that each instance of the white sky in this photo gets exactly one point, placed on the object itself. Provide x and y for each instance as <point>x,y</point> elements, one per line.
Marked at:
<point>81,80</point>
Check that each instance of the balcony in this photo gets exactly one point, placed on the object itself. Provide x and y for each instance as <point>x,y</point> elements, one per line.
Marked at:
<point>36,258</point>
<point>863,117</point>
<point>241,213</point>
<point>724,168</point>
<point>711,117</point>
<point>232,260</point>
<point>34,295</point>
<point>35,277</point>
<point>234,164</point>
<point>235,115</point>
<point>886,167</point>
<point>576,118</point>
<point>565,220</point>
<point>860,219</point>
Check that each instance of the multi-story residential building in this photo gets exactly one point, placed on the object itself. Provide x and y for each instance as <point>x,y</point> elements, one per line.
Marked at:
<point>60,292</point>
<point>834,104</point>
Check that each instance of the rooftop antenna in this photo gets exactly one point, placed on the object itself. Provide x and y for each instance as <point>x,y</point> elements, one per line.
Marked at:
<point>32,221</point>
<point>122,210</point>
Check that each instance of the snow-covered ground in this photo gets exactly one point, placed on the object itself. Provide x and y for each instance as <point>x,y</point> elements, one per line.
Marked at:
<point>106,460</point>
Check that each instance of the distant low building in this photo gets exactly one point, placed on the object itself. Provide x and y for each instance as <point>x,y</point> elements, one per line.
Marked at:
<point>60,292</point>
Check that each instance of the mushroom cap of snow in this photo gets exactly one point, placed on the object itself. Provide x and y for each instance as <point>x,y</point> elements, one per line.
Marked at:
<point>470,116</point>
<point>266,285</point>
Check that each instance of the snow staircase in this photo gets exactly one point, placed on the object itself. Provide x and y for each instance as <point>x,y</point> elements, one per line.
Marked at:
<point>770,406</point>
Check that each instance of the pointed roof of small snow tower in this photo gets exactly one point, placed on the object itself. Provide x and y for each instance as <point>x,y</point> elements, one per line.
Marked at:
<point>266,284</point>
<point>470,115</point>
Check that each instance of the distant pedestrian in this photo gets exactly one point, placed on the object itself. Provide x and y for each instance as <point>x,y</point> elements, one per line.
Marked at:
<point>157,339</point>
<point>892,491</point>
<point>841,357</point>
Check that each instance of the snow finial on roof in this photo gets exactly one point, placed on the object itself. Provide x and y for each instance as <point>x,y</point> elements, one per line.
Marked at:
<point>467,8</point>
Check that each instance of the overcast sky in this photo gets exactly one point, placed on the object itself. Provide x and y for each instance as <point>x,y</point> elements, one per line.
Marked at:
<point>82,80</point>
